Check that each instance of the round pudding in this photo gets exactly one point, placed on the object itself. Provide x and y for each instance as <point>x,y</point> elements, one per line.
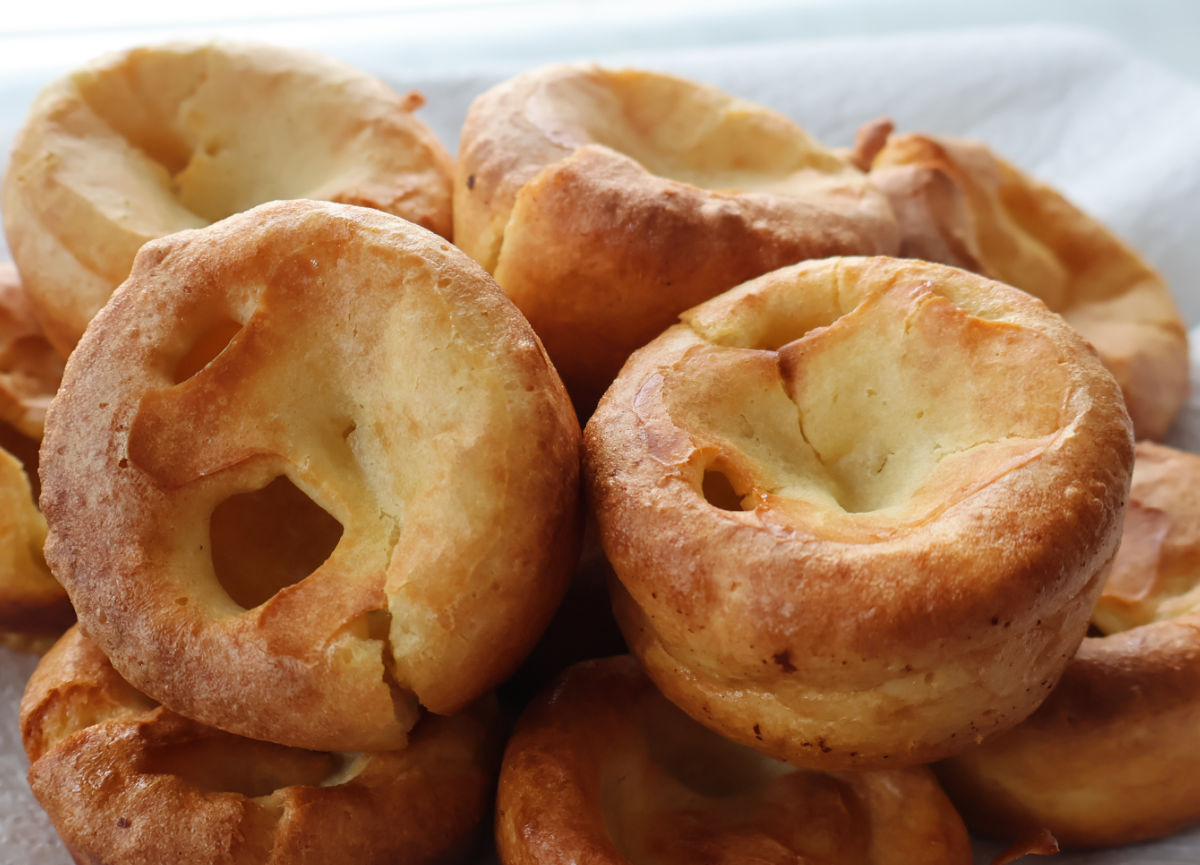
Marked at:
<point>860,509</point>
<point>330,474</point>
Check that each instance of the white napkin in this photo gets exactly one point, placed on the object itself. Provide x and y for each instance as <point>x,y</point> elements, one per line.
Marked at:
<point>1115,132</point>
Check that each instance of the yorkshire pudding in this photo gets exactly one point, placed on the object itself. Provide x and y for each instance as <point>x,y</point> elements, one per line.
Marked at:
<point>34,609</point>
<point>329,472</point>
<point>602,769</point>
<point>158,139</point>
<point>958,203</point>
<point>125,780</point>
<point>860,509</point>
<point>1113,756</point>
<point>606,202</point>
<point>30,369</point>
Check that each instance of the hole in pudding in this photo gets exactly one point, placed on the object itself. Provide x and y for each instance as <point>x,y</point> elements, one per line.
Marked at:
<point>719,491</point>
<point>216,762</point>
<point>268,539</point>
<point>379,625</point>
<point>210,343</point>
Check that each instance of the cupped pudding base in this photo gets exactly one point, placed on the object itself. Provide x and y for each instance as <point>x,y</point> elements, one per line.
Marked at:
<point>126,780</point>
<point>603,768</point>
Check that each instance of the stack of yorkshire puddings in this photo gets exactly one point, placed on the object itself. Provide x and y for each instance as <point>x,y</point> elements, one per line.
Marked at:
<point>858,459</point>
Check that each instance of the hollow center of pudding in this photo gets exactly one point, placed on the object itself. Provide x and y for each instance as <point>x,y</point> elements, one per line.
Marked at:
<point>901,406</point>
<point>683,132</point>
<point>208,342</point>
<point>194,136</point>
<point>217,762</point>
<point>693,796</point>
<point>268,539</point>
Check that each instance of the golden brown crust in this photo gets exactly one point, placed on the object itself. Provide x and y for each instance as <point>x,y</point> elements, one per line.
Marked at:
<point>602,769</point>
<point>960,204</point>
<point>859,509</point>
<point>1113,756</point>
<point>34,608</point>
<point>30,369</point>
<point>383,378</point>
<point>158,139</point>
<point>124,780</point>
<point>606,202</point>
